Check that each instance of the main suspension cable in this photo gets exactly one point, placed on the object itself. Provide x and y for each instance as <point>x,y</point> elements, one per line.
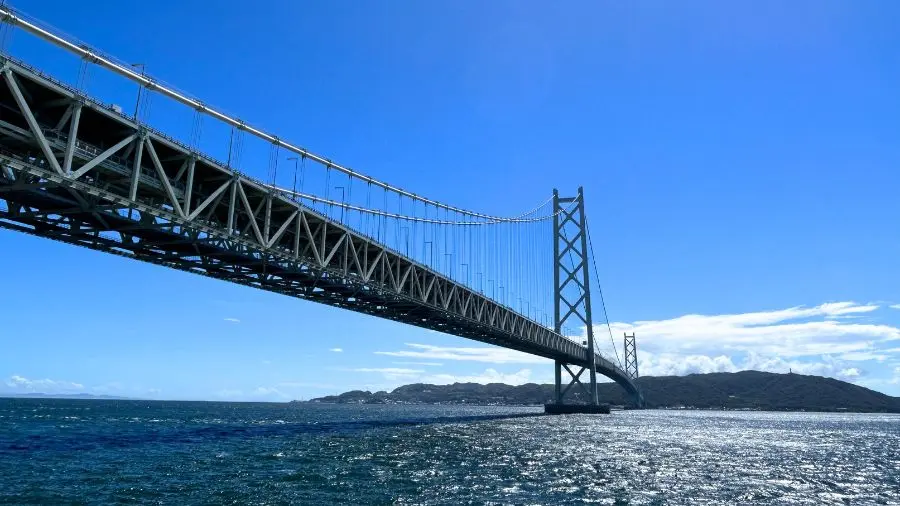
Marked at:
<point>72,44</point>
<point>600,290</point>
<point>522,218</point>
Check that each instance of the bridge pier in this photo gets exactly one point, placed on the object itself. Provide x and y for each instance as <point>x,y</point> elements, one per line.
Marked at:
<point>558,406</point>
<point>572,409</point>
<point>558,391</point>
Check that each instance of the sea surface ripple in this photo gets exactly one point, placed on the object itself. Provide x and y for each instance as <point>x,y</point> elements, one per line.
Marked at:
<point>149,452</point>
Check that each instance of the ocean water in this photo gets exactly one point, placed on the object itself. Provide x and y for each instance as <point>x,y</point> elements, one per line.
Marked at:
<point>132,452</point>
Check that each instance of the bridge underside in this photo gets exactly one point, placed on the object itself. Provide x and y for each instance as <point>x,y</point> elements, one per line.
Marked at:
<point>76,171</point>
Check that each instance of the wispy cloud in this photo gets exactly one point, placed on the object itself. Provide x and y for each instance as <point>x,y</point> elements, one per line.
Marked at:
<point>232,320</point>
<point>488,376</point>
<point>493,355</point>
<point>425,364</point>
<point>47,386</point>
<point>861,356</point>
<point>305,384</point>
<point>388,370</point>
<point>397,376</point>
<point>336,350</point>
<point>792,332</point>
<point>895,306</point>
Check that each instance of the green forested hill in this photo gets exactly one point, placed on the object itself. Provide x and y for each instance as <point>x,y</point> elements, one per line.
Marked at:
<point>746,389</point>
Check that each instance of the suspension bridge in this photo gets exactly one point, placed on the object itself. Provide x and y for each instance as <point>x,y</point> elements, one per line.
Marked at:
<point>81,171</point>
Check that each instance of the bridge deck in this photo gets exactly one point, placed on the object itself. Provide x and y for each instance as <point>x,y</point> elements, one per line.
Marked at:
<point>74,170</point>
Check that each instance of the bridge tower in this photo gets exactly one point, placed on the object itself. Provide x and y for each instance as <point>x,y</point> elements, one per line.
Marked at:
<point>631,365</point>
<point>572,294</point>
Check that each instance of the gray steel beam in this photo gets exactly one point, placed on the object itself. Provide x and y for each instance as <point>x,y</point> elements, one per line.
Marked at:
<point>212,196</point>
<point>73,137</point>
<point>136,170</point>
<point>101,157</point>
<point>32,123</point>
<point>231,205</point>
<point>189,187</point>
<point>281,230</point>
<point>66,115</point>
<point>163,178</point>
<point>250,213</point>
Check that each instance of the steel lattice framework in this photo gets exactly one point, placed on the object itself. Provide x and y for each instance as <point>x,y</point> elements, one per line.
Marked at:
<point>75,170</point>
<point>571,279</point>
<point>631,364</point>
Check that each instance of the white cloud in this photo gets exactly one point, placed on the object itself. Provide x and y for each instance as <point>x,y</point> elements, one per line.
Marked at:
<point>650,364</point>
<point>425,364</point>
<point>679,365</point>
<point>494,355</point>
<point>822,340</point>
<point>232,320</point>
<point>895,306</point>
<point>397,376</point>
<point>393,373</point>
<point>305,384</point>
<point>852,372</point>
<point>47,386</point>
<point>864,355</point>
<point>488,376</point>
<point>388,370</point>
<point>792,332</point>
<point>336,350</point>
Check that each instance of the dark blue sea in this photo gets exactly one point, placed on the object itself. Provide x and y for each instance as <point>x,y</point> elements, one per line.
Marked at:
<point>138,452</point>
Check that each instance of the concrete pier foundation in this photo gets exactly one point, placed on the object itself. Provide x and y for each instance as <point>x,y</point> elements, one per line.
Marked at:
<point>568,409</point>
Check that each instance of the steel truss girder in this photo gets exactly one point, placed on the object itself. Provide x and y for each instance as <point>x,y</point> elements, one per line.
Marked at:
<point>300,242</point>
<point>147,197</point>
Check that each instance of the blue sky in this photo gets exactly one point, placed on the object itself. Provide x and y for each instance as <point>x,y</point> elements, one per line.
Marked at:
<point>739,161</point>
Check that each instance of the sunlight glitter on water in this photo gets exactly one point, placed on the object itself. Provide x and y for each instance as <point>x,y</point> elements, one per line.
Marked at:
<point>315,454</point>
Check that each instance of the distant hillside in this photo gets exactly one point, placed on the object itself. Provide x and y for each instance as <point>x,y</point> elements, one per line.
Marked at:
<point>740,390</point>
